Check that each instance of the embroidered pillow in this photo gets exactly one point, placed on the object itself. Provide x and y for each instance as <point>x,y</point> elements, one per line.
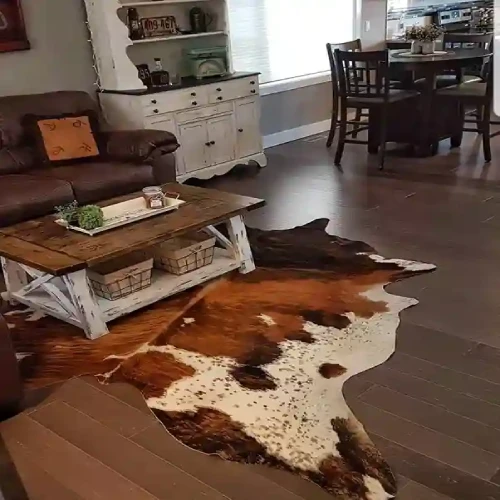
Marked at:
<point>64,139</point>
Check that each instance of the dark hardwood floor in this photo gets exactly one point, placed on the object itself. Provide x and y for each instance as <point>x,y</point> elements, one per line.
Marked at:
<point>434,408</point>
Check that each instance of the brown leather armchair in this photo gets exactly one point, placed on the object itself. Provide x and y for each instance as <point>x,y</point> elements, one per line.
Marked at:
<point>130,160</point>
<point>10,385</point>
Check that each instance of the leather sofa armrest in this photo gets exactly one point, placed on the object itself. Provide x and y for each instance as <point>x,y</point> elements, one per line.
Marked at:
<point>164,167</point>
<point>11,387</point>
<point>137,146</point>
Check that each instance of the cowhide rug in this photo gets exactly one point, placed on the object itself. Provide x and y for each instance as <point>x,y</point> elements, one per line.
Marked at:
<point>251,367</point>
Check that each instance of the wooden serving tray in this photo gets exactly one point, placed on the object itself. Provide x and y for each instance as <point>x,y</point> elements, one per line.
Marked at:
<point>124,213</point>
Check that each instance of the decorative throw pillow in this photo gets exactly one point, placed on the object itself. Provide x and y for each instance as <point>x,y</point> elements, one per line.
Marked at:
<point>64,139</point>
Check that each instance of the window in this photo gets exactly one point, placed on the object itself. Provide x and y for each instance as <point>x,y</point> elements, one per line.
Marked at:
<point>286,38</point>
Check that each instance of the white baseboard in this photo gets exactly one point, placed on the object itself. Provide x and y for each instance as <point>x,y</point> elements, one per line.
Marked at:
<point>295,133</point>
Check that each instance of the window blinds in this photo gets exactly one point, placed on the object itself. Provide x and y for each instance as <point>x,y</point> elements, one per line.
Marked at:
<point>285,39</point>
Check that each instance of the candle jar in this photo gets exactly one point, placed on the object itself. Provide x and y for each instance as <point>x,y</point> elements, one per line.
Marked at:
<point>154,197</point>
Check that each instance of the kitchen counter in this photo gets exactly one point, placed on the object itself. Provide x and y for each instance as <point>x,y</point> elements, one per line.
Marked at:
<point>187,82</point>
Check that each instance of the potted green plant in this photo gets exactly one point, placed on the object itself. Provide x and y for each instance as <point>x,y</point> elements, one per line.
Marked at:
<point>423,38</point>
<point>90,217</point>
<point>68,213</point>
<point>87,217</point>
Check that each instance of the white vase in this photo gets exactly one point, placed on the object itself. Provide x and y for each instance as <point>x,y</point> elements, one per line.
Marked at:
<point>416,47</point>
<point>428,47</point>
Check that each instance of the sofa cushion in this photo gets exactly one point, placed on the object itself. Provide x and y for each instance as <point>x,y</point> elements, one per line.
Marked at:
<point>99,181</point>
<point>24,197</point>
<point>13,108</point>
<point>16,160</point>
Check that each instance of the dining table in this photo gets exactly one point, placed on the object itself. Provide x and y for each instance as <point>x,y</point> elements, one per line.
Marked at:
<point>425,121</point>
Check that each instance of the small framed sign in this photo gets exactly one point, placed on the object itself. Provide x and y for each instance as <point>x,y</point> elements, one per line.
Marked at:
<point>159,26</point>
<point>12,30</point>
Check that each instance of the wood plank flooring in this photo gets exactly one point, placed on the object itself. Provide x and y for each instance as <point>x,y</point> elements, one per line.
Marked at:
<point>433,409</point>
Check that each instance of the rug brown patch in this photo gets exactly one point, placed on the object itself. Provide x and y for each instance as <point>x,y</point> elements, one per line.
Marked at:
<point>251,367</point>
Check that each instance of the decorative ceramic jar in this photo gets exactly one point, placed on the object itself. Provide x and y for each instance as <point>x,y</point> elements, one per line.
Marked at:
<point>428,47</point>
<point>416,47</point>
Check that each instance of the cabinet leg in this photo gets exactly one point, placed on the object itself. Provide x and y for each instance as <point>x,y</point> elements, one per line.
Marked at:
<point>239,239</point>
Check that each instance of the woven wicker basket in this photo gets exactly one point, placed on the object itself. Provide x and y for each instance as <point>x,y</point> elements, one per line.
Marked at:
<point>121,277</point>
<point>185,253</point>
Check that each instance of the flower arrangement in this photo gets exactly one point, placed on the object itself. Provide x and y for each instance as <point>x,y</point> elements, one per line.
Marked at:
<point>429,33</point>
<point>87,217</point>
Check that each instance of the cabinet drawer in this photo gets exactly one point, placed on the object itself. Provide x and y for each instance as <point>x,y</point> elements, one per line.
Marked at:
<point>233,89</point>
<point>173,100</point>
<point>205,112</point>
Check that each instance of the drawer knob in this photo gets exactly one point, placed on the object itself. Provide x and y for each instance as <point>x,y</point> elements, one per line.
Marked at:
<point>155,111</point>
<point>154,101</point>
<point>253,91</point>
<point>207,144</point>
<point>194,103</point>
<point>212,143</point>
<point>219,98</point>
<point>240,130</point>
<point>252,82</point>
<point>219,90</point>
<point>193,94</point>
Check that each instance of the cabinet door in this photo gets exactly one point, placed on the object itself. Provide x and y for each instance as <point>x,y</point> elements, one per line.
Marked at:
<point>249,141</point>
<point>166,122</point>
<point>221,138</point>
<point>193,140</point>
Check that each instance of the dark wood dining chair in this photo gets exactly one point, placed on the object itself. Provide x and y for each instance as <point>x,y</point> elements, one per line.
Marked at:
<point>351,46</point>
<point>364,83</point>
<point>464,41</point>
<point>477,95</point>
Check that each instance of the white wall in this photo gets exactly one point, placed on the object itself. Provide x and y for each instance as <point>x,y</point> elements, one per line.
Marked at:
<point>60,56</point>
<point>60,59</point>
<point>373,12</point>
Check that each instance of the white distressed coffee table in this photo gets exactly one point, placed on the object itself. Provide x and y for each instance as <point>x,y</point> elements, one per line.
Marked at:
<point>45,266</point>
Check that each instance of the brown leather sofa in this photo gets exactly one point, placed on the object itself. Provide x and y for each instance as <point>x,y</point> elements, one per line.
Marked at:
<point>10,387</point>
<point>130,160</point>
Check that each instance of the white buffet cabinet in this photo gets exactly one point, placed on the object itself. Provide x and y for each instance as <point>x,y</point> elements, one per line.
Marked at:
<point>217,124</point>
<point>216,120</point>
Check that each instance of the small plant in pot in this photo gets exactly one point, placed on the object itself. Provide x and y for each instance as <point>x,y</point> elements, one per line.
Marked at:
<point>68,213</point>
<point>88,217</point>
<point>423,38</point>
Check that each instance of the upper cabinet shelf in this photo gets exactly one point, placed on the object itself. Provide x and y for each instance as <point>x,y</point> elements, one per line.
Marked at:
<point>177,37</point>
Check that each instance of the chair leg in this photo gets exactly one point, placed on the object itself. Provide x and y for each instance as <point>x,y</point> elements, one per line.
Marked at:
<point>479,118</point>
<point>456,140</point>
<point>485,129</point>
<point>383,137</point>
<point>356,127</point>
<point>334,122</point>
<point>342,134</point>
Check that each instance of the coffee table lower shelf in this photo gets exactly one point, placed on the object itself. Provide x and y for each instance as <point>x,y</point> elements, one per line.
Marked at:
<point>64,298</point>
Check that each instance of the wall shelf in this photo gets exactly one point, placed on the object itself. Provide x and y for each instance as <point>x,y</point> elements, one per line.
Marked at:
<point>177,37</point>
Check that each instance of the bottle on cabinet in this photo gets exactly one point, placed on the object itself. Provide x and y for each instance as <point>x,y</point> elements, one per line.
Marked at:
<point>135,30</point>
<point>159,76</point>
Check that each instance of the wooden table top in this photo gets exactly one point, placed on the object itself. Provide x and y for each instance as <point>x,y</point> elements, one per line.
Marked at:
<point>44,245</point>
<point>454,58</point>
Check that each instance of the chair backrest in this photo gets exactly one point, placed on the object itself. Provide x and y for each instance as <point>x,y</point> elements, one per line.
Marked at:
<point>467,41</point>
<point>362,74</point>
<point>351,46</point>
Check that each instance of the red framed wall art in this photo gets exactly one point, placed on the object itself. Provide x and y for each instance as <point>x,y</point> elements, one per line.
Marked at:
<point>12,29</point>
